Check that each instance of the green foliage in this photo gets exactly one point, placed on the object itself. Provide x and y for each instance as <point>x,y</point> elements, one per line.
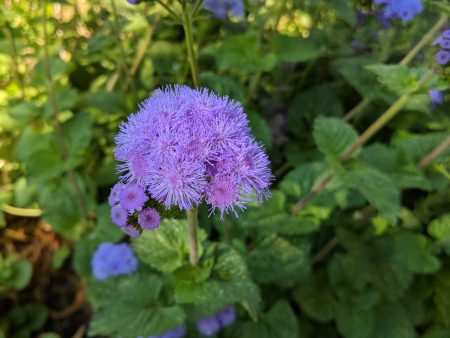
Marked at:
<point>15,274</point>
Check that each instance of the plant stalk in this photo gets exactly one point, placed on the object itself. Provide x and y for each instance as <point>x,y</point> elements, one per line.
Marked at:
<point>192,219</point>
<point>187,26</point>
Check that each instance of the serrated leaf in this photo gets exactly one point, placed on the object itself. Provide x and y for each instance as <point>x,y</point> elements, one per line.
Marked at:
<point>229,283</point>
<point>353,322</point>
<point>377,188</point>
<point>295,49</point>
<point>289,263</point>
<point>299,181</point>
<point>398,78</point>
<point>166,248</point>
<point>132,309</point>
<point>392,321</point>
<point>316,299</point>
<point>314,102</point>
<point>333,137</point>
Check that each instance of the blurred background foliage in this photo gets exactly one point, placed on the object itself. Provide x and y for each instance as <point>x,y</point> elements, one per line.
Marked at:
<point>368,257</point>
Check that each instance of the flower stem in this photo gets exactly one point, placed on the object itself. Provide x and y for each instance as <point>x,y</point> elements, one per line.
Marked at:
<point>187,26</point>
<point>192,219</point>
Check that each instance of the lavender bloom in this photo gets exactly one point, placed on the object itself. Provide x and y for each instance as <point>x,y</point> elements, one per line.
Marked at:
<point>114,196</point>
<point>446,34</point>
<point>227,316</point>
<point>131,230</point>
<point>178,332</point>
<point>221,8</point>
<point>404,10</point>
<point>209,326</point>
<point>119,215</point>
<point>436,97</point>
<point>111,260</point>
<point>133,2</point>
<point>149,219</point>
<point>133,197</point>
<point>442,57</point>
<point>187,145</point>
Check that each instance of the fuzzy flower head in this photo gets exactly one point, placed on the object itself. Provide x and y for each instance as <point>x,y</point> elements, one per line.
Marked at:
<point>221,8</point>
<point>119,215</point>
<point>185,146</point>
<point>443,42</point>
<point>404,10</point>
<point>227,316</point>
<point>149,219</point>
<point>112,260</point>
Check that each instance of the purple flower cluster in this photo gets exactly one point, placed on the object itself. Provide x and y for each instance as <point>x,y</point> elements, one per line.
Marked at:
<point>125,201</point>
<point>210,325</point>
<point>185,146</point>
<point>221,8</point>
<point>404,10</point>
<point>178,332</point>
<point>111,260</point>
<point>443,41</point>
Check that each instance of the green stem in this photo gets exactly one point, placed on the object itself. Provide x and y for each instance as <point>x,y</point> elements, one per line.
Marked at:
<point>192,219</point>
<point>187,26</point>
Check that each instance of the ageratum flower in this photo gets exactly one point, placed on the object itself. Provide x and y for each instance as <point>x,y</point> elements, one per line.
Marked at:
<point>178,332</point>
<point>111,260</point>
<point>443,41</point>
<point>221,8</point>
<point>185,146</point>
<point>210,325</point>
<point>436,97</point>
<point>404,10</point>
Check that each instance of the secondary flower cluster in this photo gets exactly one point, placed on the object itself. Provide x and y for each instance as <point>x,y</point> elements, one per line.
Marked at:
<point>221,8</point>
<point>210,325</point>
<point>112,260</point>
<point>443,41</point>
<point>178,332</point>
<point>182,147</point>
<point>404,10</point>
<point>436,97</point>
<point>127,201</point>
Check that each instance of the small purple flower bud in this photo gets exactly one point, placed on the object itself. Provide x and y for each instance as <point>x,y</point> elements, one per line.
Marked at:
<point>133,2</point>
<point>119,215</point>
<point>446,34</point>
<point>131,230</point>
<point>149,219</point>
<point>436,97</point>
<point>445,43</point>
<point>227,316</point>
<point>111,260</point>
<point>114,196</point>
<point>208,326</point>
<point>133,197</point>
<point>442,57</point>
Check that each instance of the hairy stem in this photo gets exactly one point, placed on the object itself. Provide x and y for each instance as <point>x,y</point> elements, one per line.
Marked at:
<point>57,125</point>
<point>192,219</point>
<point>187,26</point>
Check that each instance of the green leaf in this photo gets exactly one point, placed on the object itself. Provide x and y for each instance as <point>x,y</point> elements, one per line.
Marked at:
<point>310,104</point>
<point>77,133</point>
<point>344,10</point>
<point>333,137</point>
<point>229,283</point>
<point>289,263</point>
<point>398,78</point>
<point>392,321</point>
<point>353,322</point>
<point>223,85</point>
<point>166,248</point>
<point>260,129</point>
<point>299,181</point>
<point>22,270</point>
<point>417,146</point>
<point>25,111</point>
<point>440,230</point>
<point>316,299</point>
<point>132,309</point>
<point>243,53</point>
<point>442,297</point>
<point>60,256</point>
<point>106,229</point>
<point>413,252</point>
<point>295,49</point>
<point>436,332</point>
<point>377,188</point>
